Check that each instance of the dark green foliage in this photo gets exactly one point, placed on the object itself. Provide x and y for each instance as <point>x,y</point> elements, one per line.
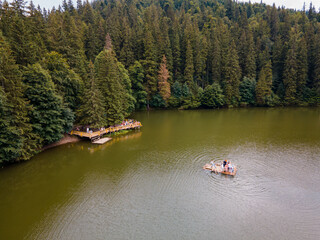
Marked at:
<point>47,110</point>
<point>92,110</point>
<point>189,69</point>
<point>111,85</point>
<point>26,143</point>
<point>128,100</point>
<point>185,92</point>
<point>206,43</point>
<point>137,77</point>
<point>157,101</point>
<point>177,90</point>
<point>212,96</point>
<point>68,84</point>
<point>10,140</point>
<point>263,88</point>
<point>247,91</point>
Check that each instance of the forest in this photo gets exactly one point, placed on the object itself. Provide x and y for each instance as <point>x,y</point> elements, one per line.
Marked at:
<point>93,64</point>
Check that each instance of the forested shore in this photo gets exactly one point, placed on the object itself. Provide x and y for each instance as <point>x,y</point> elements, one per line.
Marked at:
<point>95,63</point>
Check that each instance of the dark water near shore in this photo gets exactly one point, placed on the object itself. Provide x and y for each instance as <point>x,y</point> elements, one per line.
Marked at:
<point>149,184</point>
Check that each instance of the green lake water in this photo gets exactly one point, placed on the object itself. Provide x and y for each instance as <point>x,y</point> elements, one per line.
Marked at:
<point>149,184</point>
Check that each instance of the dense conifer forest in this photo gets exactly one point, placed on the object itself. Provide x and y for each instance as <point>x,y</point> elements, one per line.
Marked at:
<point>95,63</point>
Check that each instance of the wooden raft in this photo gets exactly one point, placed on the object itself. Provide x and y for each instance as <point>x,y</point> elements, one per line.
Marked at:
<point>218,169</point>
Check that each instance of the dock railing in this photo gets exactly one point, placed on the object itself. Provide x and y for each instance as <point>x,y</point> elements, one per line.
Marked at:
<point>105,131</point>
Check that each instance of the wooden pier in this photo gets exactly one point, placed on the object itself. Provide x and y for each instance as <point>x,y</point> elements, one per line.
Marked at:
<point>97,134</point>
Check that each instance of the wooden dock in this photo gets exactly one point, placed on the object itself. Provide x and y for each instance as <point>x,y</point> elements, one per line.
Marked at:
<point>98,134</point>
<point>102,140</point>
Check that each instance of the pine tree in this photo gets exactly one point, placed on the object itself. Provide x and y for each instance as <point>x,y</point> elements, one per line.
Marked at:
<point>290,74</point>
<point>46,115</point>
<point>137,77</point>
<point>68,84</point>
<point>250,60</point>
<point>149,65</point>
<point>302,67</point>
<point>92,110</point>
<point>10,140</point>
<point>110,84</point>
<point>216,61</point>
<point>232,76</point>
<point>128,101</point>
<point>11,82</point>
<point>189,69</point>
<point>176,53</point>
<point>212,96</point>
<point>163,84</point>
<point>316,72</point>
<point>264,84</point>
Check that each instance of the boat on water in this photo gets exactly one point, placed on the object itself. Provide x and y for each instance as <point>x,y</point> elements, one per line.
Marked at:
<point>218,168</point>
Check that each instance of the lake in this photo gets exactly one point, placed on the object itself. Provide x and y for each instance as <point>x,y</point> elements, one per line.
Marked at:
<point>149,184</point>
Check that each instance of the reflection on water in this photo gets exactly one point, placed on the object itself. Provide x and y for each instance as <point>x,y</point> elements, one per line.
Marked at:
<point>115,139</point>
<point>152,185</point>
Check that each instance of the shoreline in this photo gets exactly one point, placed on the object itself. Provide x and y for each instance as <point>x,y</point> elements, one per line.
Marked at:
<point>66,139</point>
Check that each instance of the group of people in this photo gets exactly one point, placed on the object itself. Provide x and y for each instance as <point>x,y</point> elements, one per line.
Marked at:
<point>226,166</point>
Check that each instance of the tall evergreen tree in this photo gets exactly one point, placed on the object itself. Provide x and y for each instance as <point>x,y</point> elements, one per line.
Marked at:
<point>47,114</point>
<point>137,77</point>
<point>290,74</point>
<point>264,84</point>
<point>302,67</point>
<point>11,82</point>
<point>10,140</point>
<point>232,76</point>
<point>92,110</point>
<point>189,68</point>
<point>110,84</point>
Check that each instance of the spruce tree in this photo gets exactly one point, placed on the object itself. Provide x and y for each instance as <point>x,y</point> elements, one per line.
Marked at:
<point>10,139</point>
<point>302,67</point>
<point>68,84</point>
<point>137,77</point>
<point>216,60</point>
<point>128,101</point>
<point>92,111</point>
<point>11,82</point>
<point>264,84</point>
<point>110,84</point>
<point>290,76</point>
<point>232,76</point>
<point>189,68</point>
<point>46,115</point>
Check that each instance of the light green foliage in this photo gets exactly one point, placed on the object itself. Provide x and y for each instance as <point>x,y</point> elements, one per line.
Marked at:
<point>212,96</point>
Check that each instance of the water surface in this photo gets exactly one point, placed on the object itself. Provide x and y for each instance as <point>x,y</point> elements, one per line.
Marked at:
<point>150,184</point>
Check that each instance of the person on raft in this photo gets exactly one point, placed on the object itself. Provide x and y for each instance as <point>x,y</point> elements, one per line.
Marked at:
<point>227,166</point>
